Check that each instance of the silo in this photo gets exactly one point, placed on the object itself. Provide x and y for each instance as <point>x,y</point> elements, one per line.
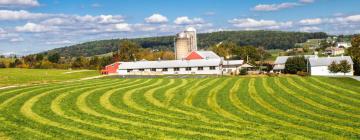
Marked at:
<point>182,45</point>
<point>191,32</point>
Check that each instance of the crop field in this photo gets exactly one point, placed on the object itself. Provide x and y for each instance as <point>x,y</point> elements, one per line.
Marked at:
<point>287,107</point>
<point>13,76</point>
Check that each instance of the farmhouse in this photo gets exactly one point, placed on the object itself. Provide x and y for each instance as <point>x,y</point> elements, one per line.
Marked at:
<point>334,51</point>
<point>319,65</point>
<point>279,64</point>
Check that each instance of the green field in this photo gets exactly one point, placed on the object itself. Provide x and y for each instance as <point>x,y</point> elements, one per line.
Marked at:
<point>288,107</point>
<point>12,76</point>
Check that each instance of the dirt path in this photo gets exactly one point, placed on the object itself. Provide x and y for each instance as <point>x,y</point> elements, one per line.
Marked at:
<point>356,78</point>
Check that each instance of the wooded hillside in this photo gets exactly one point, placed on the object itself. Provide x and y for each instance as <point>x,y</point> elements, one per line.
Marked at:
<point>266,39</point>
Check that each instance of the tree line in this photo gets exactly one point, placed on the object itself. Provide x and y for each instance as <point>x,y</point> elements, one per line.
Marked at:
<point>266,39</point>
<point>127,51</point>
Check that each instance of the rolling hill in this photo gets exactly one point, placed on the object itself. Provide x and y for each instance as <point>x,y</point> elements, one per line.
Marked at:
<point>267,39</point>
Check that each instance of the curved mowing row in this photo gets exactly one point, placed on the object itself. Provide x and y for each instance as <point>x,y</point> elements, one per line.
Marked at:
<point>212,108</point>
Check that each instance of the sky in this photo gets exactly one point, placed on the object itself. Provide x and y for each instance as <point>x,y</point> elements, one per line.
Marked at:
<point>31,26</point>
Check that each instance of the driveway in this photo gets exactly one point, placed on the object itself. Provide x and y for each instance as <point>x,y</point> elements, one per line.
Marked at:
<point>356,77</point>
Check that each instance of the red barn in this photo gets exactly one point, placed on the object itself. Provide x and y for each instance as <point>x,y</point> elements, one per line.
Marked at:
<point>111,69</point>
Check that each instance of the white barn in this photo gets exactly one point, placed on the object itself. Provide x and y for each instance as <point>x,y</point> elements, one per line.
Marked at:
<point>319,65</point>
<point>197,62</point>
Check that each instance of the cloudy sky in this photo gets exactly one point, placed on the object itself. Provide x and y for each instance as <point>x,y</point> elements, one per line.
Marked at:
<point>29,26</point>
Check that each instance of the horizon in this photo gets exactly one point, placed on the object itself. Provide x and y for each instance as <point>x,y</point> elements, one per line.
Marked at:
<point>32,26</point>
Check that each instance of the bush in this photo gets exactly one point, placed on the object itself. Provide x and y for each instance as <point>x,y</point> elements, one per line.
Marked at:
<point>301,73</point>
<point>243,72</point>
<point>295,64</point>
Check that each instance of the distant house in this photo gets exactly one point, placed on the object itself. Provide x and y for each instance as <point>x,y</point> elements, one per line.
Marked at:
<point>343,45</point>
<point>319,65</point>
<point>279,64</point>
<point>334,51</point>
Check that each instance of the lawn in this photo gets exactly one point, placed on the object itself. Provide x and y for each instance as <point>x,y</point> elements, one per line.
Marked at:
<point>288,107</point>
<point>16,76</point>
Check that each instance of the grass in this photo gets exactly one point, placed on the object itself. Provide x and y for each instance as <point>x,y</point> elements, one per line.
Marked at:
<point>15,76</point>
<point>288,107</point>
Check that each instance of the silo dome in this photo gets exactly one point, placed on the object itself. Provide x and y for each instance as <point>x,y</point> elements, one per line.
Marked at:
<point>190,29</point>
<point>182,35</point>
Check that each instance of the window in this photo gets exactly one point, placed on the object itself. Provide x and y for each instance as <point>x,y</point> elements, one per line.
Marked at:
<point>152,69</point>
<point>165,69</point>
<point>176,69</point>
<point>141,70</point>
<point>200,68</point>
<point>188,68</point>
<point>212,67</point>
<point>129,70</point>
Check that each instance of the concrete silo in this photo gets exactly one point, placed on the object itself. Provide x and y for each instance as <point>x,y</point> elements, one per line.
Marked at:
<point>185,43</point>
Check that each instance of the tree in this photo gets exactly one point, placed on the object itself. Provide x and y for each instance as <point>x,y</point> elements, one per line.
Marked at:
<point>2,64</point>
<point>333,67</point>
<point>354,52</point>
<point>225,50</point>
<point>127,50</point>
<point>39,57</point>
<point>295,64</point>
<point>54,58</point>
<point>344,66</point>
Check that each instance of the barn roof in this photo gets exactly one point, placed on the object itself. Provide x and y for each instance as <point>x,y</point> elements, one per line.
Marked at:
<point>169,64</point>
<point>326,61</point>
<point>208,54</point>
<point>283,59</point>
<point>233,62</point>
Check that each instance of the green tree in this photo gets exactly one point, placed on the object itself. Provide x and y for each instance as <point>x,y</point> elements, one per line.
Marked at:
<point>354,52</point>
<point>225,50</point>
<point>344,66</point>
<point>127,50</point>
<point>54,58</point>
<point>333,67</point>
<point>2,64</point>
<point>295,64</point>
<point>39,57</point>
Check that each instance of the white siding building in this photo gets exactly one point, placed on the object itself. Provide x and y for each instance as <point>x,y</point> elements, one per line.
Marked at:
<point>319,66</point>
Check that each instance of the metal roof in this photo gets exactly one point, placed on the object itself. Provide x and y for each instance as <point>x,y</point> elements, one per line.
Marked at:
<point>233,62</point>
<point>326,61</point>
<point>208,54</point>
<point>283,59</point>
<point>169,64</point>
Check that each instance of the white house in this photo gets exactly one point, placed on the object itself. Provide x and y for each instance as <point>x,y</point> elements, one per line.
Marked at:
<point>343,45</point>
<point>319,65</point>
<point>334,51</point>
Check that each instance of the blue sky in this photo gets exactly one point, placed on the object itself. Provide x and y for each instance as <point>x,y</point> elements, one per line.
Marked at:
<point>30,26</point>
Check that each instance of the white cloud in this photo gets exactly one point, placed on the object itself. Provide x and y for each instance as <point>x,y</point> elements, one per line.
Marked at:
<point>353,18</point>
<point>307,1</point>
<point>274,7</point>
<point>62,42</point>
<point>16,3</point>
<point>250,23</point>
<point>33,28</point>
<point>310,29</point>
<point>156,18</point>
<point>144,27</point>
<point>17,39</point>
<point>184,20</point>
<point>2,31</point>
<point>20,15</point>
<point>313,21</point>
<point>123,27</point>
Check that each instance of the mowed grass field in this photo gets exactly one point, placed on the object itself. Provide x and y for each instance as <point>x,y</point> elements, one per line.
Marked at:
<point>288,107</point>
<point>15,76</point>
